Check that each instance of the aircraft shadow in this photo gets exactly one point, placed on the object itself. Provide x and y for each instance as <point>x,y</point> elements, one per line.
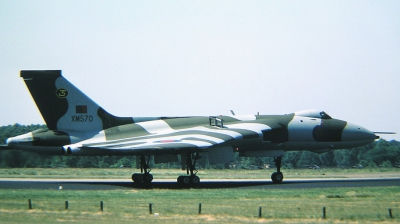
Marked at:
<point>289,184</point>
<point>175,185</point>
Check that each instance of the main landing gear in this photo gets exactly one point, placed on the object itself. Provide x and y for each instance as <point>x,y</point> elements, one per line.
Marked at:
<point>193,179</point>
<point>144,176</point>
<point>277,177</point>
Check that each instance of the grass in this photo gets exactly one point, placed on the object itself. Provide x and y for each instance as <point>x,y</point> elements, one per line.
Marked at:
<point>233,205</point>
<point>369,204</point>
<point>125,173</point>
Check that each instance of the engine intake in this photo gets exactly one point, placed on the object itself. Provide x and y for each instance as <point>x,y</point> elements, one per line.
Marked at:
<point>72,150</point>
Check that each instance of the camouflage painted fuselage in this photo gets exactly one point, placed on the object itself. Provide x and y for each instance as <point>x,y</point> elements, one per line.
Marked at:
<point>78,126</point>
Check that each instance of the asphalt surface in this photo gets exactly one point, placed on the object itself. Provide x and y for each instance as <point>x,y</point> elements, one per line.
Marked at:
<point>113,184</point>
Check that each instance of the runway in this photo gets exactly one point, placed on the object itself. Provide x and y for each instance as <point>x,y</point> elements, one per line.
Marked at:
<point>114,184</point>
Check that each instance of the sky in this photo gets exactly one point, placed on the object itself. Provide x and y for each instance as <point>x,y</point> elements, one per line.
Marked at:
<point>183,58</point>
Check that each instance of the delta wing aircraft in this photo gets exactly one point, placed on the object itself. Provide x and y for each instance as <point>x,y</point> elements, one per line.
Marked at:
<point>77,126</point>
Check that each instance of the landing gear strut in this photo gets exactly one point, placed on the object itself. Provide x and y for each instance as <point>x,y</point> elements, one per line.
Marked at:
<point>277,177</point>
<point>144,176</point>
<point>191,159</point>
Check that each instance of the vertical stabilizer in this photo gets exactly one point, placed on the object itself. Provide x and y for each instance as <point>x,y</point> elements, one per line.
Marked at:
<point>65,107</point>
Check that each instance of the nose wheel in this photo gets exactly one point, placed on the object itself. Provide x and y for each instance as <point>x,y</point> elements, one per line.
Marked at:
<point>277,177</point>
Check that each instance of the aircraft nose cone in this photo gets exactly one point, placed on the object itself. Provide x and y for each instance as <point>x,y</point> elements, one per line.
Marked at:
<point>357,133</point>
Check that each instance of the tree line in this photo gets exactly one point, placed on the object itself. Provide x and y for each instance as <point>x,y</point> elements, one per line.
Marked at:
<point>380,153</point>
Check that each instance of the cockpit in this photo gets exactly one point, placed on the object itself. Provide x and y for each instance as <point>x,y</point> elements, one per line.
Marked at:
<point>313,114</point>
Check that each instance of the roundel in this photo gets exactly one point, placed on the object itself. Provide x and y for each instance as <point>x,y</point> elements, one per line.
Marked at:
<point>62,93</point>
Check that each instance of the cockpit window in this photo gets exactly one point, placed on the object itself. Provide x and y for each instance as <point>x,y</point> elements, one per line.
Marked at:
<point>313,114</point>
<point>324,115</point>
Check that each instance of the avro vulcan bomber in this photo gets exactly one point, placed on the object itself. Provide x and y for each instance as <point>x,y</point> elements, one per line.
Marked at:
<point>77,126</point>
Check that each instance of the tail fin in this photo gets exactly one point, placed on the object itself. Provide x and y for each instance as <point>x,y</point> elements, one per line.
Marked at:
<point>65,107</point>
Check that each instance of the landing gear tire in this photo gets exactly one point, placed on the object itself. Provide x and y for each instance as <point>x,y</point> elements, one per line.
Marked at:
<point>179,180</point>
<point>277,177</point>
<point>188,180</point>
<point>147,178</point>
<point>195,180</point>
<point>134,177</point>
<point>138,177</point>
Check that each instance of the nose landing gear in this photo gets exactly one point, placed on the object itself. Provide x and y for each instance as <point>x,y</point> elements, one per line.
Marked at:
<point>277,177</point>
